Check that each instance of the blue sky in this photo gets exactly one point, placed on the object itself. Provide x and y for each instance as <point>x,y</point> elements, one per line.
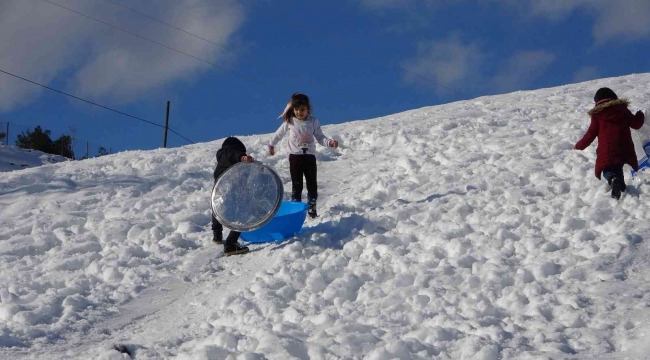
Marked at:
<point>356,59</point>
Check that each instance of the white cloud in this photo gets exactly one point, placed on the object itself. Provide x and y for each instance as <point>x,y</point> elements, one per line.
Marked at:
<point>630,18</point>
<point>448,62</point>
<point>627,18</point>
<point>522,69</point>
<point>613,18</point>
<point>41,42</point>
<point>451,63</point>
<point>586,73</point>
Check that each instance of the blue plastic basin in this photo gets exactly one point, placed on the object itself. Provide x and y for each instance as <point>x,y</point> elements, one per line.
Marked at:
<point>286,223</point>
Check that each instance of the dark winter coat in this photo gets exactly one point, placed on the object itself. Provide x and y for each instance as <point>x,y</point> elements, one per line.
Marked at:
<point>230,153</point>
<point>610,123</point>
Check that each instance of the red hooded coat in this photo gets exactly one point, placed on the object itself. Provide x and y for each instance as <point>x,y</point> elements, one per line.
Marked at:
<point>610,123</point>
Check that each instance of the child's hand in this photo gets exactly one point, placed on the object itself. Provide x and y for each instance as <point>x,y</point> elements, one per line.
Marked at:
<point>334,144</point>
<point>247,159</point>
<point>271,149</point>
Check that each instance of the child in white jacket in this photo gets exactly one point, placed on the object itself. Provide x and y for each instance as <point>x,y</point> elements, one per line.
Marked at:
<point>303,128</point>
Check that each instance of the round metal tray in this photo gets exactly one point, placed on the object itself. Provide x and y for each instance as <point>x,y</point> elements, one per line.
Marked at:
<point>247,196</point>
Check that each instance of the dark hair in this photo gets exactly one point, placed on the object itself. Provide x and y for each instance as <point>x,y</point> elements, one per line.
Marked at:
<point>297,100</point>
<point>604,94</point>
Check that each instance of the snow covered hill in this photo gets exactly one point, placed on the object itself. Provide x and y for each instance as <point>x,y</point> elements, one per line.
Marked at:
<point>14,158</point>
<point>465,231</point>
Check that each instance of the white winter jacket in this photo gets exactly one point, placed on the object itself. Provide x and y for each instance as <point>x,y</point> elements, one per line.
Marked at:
<point>301,135</point>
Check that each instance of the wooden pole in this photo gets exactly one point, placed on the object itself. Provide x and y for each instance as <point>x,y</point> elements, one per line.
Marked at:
<point>7,133</point>
<point>87,149</point>
<point>166,126</point>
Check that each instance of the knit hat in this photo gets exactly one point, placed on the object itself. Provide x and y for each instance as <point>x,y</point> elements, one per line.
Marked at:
<point>604,94</point>
<point>234,143</point>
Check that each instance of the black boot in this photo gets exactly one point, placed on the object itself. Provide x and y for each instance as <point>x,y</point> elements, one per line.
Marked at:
<point>312,209</point>
<point>234,249</point>
<point>217,238</point>
<point>616,188</point>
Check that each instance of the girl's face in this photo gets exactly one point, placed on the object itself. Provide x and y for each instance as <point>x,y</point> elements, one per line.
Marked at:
<point>301,112</point>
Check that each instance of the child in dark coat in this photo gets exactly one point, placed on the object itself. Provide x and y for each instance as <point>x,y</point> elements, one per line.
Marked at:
<point>232,151</point>
<point>611,121</point>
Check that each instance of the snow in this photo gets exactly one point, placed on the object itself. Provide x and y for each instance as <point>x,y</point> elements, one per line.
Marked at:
<point>14,158</point>
<point>470,230</point>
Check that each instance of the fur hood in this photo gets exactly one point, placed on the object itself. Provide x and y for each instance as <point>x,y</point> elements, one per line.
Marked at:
<point>608,104</point>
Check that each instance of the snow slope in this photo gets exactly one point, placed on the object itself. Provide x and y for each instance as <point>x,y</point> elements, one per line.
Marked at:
<point>465,231</point>
<point>14,158</point>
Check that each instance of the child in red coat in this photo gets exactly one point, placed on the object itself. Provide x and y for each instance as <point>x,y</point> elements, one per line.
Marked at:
<point>611,121</point>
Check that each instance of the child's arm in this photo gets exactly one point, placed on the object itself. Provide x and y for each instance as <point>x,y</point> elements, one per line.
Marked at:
<point>321,138</point>
<point>636,121</point>
<point>236,156</point>
<point>277,137</point>
<point>589,137</point>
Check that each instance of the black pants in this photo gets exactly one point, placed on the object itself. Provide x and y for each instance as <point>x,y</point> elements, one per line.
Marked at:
<point>300,165</point>
<point>217,228</point>
<point>615,171</point>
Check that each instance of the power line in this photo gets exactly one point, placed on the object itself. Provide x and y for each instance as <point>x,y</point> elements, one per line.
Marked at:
<point>236,52</point>
<point>211,42</point>
<point>152,41</point>
<point>252,79</point>
<point>134,34</point>
<point>406,70</point>
<point>20,125</point>
<point>216,44</point>
<point>171,26</point>
<point>93,103</point>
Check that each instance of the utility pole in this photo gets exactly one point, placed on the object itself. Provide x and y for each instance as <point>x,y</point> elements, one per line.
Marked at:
<point>166,126</point>
<point>7,133</point>
<point>87,149</point>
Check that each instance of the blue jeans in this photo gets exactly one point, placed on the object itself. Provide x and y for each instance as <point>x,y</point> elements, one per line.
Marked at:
<point>612,172</point>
